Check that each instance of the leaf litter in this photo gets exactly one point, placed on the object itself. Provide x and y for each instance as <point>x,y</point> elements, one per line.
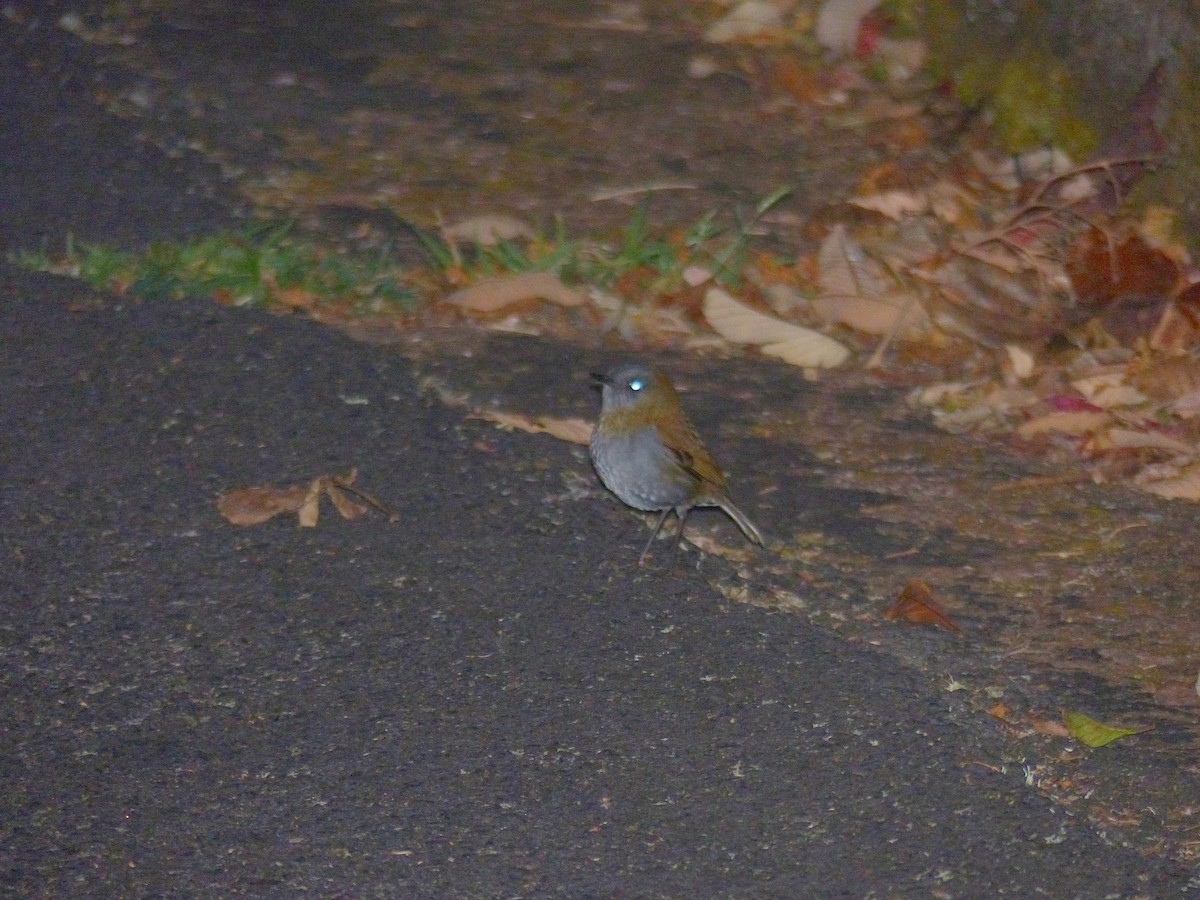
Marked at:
<point>261,503</point>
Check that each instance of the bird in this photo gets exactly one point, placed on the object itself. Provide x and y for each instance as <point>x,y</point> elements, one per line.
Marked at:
<point>647,452</point>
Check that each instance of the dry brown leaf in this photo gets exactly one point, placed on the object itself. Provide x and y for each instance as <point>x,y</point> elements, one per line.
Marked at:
<point>1109,390</point>
<point>1168,378</point>
<point>846,270</point>
<point>488,230</point>
<point>495,294</point>
<point>1021,361</point>
<point>255,505</point>
<point>798,80</point>
<point>838,23</point>
<point>348,509</point>
<point>1183,485</point>
<point>576,431</point>
<point>1133,439</point>
<point>1176,331</point>
<point>310,507</point>
<point>896,313</point>
<point>1049,727</point>
<point>748,19</point>
<point>903,57</point>
<point>950,203</point>
<point>916,604</point>
<point>894,204</point>
<point>856,291</point>
<point>799,346</point>
<point>1073,422</point>
<point>1104,268</point>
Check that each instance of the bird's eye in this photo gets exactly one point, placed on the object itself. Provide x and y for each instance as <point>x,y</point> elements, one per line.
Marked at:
<point>636,384</point>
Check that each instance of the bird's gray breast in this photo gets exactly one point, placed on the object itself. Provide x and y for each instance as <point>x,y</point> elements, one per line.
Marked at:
<point>640,470</point>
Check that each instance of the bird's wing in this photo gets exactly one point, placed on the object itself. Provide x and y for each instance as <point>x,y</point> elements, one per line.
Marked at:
<point>680,438</point>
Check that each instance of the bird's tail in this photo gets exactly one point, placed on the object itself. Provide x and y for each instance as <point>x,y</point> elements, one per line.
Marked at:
<point>748,528</point>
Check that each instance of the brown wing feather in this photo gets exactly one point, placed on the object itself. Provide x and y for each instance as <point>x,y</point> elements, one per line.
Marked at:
<point>678,435</point>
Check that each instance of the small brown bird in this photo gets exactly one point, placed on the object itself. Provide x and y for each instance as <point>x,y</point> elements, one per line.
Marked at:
<point>649,455</point>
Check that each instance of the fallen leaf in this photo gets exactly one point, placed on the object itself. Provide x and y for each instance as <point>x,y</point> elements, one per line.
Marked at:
<point>310,507</point>
<point>798,80</point>
<point>488,230</point>
<point>903,57</point>
<point>916,604</point>
<point>799,346</point>
<point>894,204</point>
<point>576,431</point>
<point>1020,359</point>
<point>1080,422</point>
<point>856,291</point>
<point>347,508</point>
<point>845,268</point>
<point>1168,378</point>
<point>1176,331</point>
<point>1109,390</point>
<point>1183,485</point>
<point>1049,727</point>
<point>1133,439</point>
<point>895,313</point>
<point>1001,712</point>
<point>495,294</point>
<point>1103,269</point>
<point>255,505</point>
<point>838,23</point>
<point>750,18</point>
<point>1088,731</point>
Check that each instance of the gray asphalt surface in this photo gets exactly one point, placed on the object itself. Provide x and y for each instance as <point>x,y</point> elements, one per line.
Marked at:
<point>484,699</point>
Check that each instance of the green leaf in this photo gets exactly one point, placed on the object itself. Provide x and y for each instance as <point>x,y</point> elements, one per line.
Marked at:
<point>1088,731</point>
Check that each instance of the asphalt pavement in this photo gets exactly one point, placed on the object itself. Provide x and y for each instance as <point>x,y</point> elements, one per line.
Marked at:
<point>485,698</point>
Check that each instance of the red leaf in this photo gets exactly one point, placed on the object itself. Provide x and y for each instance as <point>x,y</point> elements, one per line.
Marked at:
<point>915,604</point>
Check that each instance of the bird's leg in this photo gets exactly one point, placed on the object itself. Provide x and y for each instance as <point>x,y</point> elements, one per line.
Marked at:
<point>679,534</point>
<point>657,528</point>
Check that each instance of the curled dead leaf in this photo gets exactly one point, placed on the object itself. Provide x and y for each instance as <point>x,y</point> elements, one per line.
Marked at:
<point>838,23</point>
<point>488,230</point>
<point>845,268</point>
<point>894,204</point>
<point>896,313</point>
<point>310,507</point>
<point>856,291</point>
<point>576,431</point>
<point>255,505</point>
<point>1020,359</point>
<point>1172,482</point>
<point>1074,422</point>
<point>1109,390</point>
<point>737,322</point>
<point>748,19</point>
<point>1138,439</point>
<point>1050,728</point>
<point>495,294</point>
<point>916,604</point>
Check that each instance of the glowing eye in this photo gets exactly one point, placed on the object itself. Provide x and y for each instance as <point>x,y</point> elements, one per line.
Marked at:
<point>636,384</point>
